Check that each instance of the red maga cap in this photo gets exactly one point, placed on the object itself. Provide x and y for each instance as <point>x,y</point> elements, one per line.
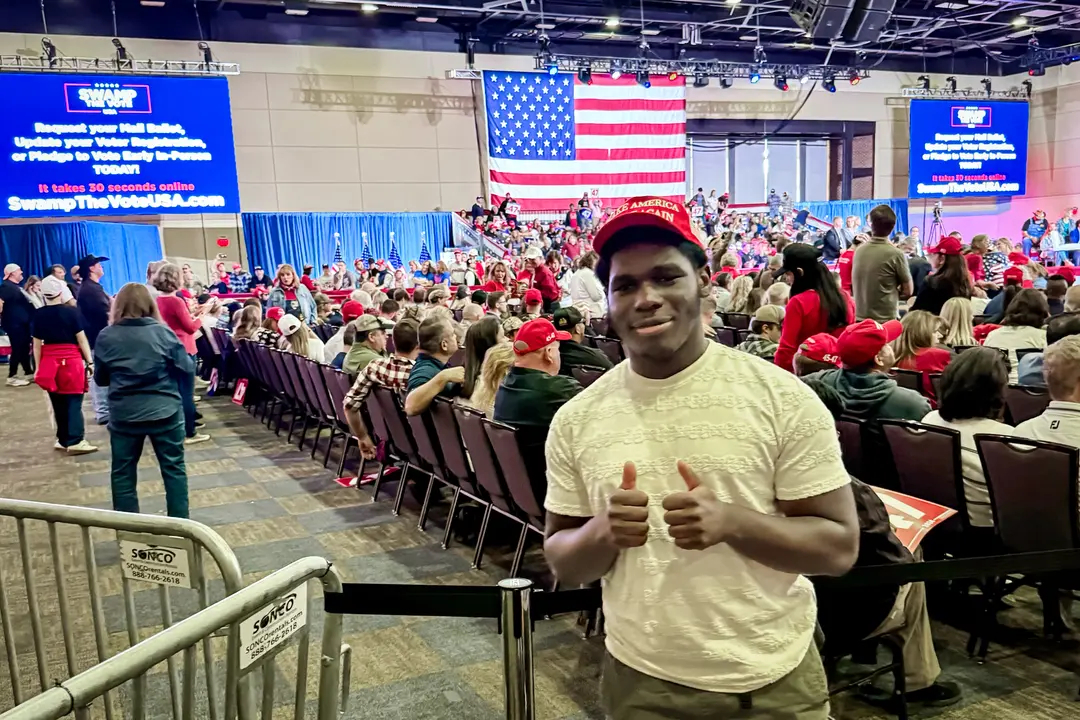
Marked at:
<point>820,348</point>
<point>861,342</point>
<point>949,245</point>
<point>648,211</point>
<point>536,335</point>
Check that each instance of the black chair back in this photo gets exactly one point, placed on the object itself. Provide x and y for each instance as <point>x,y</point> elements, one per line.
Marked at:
<point>318,389</point>
<point>599,326</point>
<point>1024,403</point>
<point>1021,352</point>
<point>300,384</point>
<point>488,474</point>
<point>850,431</point>
<point>451,444</point>
<point>277,358</point>
<point>741,336</point>
<point>586,375</point>
<point>928,465</point>
<point>457,359</point>
<point>398,429</point>
<point>910,379</point>
<point>338,385</point>
<point>612,348</point>
<point>426,448</point>
<point>725,336</point>
<point>504,442</point>
<point>737,320</point>
<point>1032,487</point>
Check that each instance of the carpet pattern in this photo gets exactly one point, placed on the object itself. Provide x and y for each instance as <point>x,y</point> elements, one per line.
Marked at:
<point>273,504</point>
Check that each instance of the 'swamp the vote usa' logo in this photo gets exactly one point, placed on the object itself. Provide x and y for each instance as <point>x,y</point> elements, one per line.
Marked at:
<point>969,116</point>
<point>107,98</point>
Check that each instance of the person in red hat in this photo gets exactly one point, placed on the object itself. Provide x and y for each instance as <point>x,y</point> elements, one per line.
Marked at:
<point>533,391</point>
<point>537,275</point>
<point>534,304</point>
<point>949,279</point>
<point>691,478</point>
<point>268,334</point>
<point>816,353</point>
<point>867,356</point>
<point>350,310</point>
<point>1035,229</point>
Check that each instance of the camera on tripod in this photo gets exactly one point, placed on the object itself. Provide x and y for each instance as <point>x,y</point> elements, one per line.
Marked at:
<point>937,211</point>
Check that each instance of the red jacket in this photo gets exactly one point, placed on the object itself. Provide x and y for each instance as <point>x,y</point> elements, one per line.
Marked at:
<point>843,266</point>
<point>802,318</point>
<point>542,280</point>
<point>62,370</point>
<point>174,313</point>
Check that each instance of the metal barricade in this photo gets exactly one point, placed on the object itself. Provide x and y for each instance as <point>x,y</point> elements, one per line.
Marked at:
<point>263,619</point>
<point>61,560</point>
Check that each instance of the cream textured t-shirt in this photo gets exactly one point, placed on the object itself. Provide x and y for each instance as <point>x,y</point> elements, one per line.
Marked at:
<point>713,619</point>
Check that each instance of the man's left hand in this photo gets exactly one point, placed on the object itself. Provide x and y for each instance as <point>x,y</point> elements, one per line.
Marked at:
<point>696,518</point>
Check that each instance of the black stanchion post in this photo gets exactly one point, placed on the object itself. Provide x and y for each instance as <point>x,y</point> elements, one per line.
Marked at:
<point>516,626</point>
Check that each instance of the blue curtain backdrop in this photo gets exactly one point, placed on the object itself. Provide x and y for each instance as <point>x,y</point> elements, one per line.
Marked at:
<point>130,248</point>
<point>859,208</point>
<point>308,238</point>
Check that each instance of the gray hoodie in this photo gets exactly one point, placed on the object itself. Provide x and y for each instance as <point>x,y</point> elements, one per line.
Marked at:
<point>874,396</point>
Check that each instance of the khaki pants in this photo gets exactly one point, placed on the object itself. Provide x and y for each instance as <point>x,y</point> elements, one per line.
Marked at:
<point>910,622</point>
<point>802,694</point>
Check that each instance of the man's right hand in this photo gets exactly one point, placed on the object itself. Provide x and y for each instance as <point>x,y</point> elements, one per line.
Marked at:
<point>628,512</point>
<point>368,449</point>
<point>453,374</point>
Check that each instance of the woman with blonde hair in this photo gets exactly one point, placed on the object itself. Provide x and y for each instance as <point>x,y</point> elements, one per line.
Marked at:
<point>497,363</point>
<point>917,347</point>
<point>291,295</point>
<point>247,324</point>
<point>323,308</point>
<point>302,341</point>
<point>144,365</point>
<point>957,320</point>
<point>740,294</point>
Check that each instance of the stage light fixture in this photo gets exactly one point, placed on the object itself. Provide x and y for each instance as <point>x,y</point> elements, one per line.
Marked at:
<point>853,77</point>
<point>552,68</point>
<point>616,73</point>
<point>611,22</point>
<point>673,76</point>
<point>950,84</point>
<point>585,75</point>
<point>924,82</point>
<point>49,49</point>
<point>296,8</point>
<point>208,57</point>
<point>1037,71</point>
<point>369,8</point>
<point>121,51</point>
<point>781,83</point>
<point>701,81</point>
<point>828,81</point>
<point>804,79</point>
<point>1019,21</point>
<point>754,77</point>
<point>987,86</point>
<point>643,79</point>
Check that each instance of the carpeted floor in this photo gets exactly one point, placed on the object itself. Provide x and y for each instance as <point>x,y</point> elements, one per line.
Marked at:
<point>273,504</point>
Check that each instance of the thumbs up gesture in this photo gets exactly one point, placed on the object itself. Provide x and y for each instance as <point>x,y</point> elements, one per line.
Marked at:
<point>628,512</point>
<point>696,519</point>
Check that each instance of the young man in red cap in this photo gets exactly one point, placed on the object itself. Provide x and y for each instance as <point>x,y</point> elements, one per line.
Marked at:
<point>534,304</point>
<point>534,390</point>
<point>863,382</point>
<point>350,310</point>
<point>701,484</point>
<point>816,353</point>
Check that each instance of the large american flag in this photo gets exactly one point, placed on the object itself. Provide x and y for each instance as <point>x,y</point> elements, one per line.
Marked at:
<point>552,138</point>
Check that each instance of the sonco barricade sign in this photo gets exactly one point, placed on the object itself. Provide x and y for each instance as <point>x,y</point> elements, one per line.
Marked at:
<point>156,559</point>
<point>265,631</point>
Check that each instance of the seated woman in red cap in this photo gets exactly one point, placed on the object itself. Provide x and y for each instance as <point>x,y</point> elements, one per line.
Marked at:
<point>950,277</point>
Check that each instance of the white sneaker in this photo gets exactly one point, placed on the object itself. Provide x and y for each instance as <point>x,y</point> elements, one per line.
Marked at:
<point>200,383</point>
<point>17,382</point>
<point>196,439</point>
<point>198,398</point>
<point>82,448</point>
<point>58,446</point>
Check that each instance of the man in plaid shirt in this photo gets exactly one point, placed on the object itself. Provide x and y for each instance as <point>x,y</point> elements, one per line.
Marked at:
<point>239,281</point>
<point>392,372</point>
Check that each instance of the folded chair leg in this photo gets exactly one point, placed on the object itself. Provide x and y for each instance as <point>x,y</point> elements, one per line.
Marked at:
<point>400,495</point>
<point>303,431</point>
<point>478,558</point>
<point>520,554</point>
<point>329,447</point>
<point>292,426</point>
<point>378,478</point>
<point>427,501</point>
<point>450,517</point>
<point>345,455</point>
<point>315,440</point>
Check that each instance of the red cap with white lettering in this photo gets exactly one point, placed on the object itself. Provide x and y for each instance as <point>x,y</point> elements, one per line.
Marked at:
<point>645,210</point>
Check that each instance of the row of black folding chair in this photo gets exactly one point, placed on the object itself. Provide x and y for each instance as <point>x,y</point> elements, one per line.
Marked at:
<point>440,443</point>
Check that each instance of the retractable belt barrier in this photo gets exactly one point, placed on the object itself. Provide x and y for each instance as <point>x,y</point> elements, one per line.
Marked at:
<point>514,603</point>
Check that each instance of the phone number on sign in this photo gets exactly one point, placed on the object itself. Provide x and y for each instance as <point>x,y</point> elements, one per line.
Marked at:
<point>257,648</point>
<point>156,575</point>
